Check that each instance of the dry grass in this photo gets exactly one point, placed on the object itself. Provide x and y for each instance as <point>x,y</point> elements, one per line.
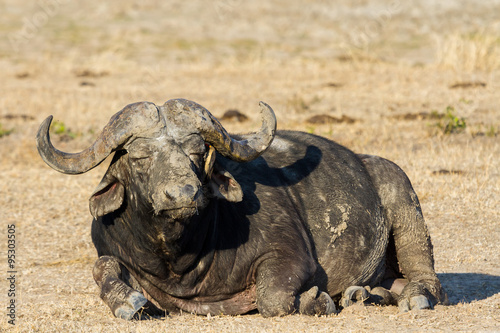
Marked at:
<point>470,52</point>
<point>90,59</point>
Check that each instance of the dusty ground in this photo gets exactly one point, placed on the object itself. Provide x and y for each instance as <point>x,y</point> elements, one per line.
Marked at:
<point>389,66</point>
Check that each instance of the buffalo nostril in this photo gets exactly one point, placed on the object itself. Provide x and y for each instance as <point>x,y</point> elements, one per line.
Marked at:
<point>188,191</point>
<point>169,196</point>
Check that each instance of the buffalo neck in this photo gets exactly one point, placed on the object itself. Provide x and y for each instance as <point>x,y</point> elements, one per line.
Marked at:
<point>181,247</point>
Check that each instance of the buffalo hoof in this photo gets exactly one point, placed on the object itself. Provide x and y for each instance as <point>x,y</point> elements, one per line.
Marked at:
<point>415,296</point>
<point>419,302</point>
<point>382,296</point>
<point>354,294</point>
<point>314,302</point>
<point>134,302</point>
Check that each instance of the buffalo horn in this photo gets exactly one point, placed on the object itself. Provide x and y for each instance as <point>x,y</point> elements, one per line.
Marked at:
<point>247,149</point>
<point>129,122</point>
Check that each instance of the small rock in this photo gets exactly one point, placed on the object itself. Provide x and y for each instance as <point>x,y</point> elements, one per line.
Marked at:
<point>234,115</point>
<point>326,119</point>
<point>87,83</point>
<point>465,85</point>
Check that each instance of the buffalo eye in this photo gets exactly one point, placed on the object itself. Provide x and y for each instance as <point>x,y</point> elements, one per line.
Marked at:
<point>139,160</point>
<point>140,154</point>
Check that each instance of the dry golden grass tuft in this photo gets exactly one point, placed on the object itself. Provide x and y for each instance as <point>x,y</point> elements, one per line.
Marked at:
<point>91,59</point>
<point>470,52</point>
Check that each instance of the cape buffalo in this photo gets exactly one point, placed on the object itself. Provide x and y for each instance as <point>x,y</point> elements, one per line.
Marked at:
<point>190,218</point>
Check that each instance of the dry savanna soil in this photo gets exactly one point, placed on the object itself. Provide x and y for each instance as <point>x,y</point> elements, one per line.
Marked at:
<point>417,82</point>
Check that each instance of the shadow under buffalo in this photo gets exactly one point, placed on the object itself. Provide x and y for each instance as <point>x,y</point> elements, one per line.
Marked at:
<point>468,287</point>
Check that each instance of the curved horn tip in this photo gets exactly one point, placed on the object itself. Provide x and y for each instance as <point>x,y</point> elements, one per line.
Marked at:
<point>43,131</point>
<point>264,104</point>
<point>46,123</point>
<point>268,117</point>
<point>44,146</point>
<point>57,160</point>
<point>265,108</point>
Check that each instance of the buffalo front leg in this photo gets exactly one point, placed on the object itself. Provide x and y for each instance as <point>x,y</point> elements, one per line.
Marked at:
<point>412,242</point>
<point>278,292</point>
<point>123,300</point>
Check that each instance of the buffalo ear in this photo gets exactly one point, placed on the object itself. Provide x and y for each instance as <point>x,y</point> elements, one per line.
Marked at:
<point>225,186</point>
<point>107,197</point>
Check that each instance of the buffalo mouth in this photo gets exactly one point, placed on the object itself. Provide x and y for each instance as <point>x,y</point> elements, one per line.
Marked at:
<point>180,213</point>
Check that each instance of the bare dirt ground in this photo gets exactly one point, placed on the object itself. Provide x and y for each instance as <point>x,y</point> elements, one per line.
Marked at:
<point>393,74</point>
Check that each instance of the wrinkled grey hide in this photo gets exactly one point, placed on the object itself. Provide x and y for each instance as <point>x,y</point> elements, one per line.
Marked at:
<point>188,217</point>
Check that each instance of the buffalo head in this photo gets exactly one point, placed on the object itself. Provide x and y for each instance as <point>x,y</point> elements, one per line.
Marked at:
<point>165,158</point>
